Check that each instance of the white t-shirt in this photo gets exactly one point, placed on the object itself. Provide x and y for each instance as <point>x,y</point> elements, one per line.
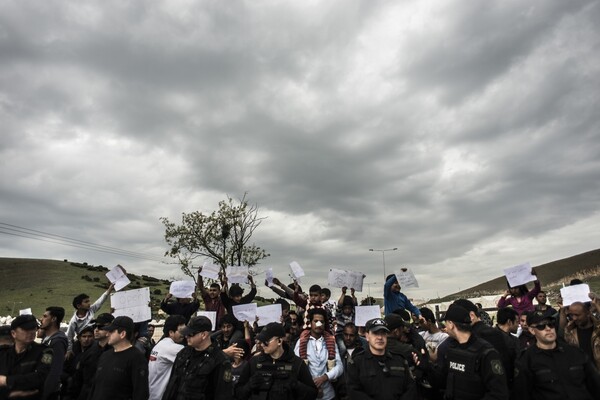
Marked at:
<point>161,360</point>
<point>433,340</point>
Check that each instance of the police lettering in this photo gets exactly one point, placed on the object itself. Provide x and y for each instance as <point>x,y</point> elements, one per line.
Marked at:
<point>457,367</point>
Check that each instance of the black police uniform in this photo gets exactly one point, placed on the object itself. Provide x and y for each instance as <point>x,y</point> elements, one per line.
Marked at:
<point>286,378</point>
<point>369,376</point>
<point>562,373</point>
<point>26,371</point>
<point>474,371</point>
<point>83,378</point>
<point>200,375</point>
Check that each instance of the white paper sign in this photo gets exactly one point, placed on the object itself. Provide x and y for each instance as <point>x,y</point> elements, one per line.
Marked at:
<point>350,279</point>
<point>130,298</point>
<point>365,313</point>
<point>212,315</point>
<point>237,274</point>
<point>269,277</point>
<point>268,314</point>
<point>26,311</point>
<point>182,289</point>
<point>519,275</point>
<point>137,314</point>
<point>210,271</point>
<point>245,312</point>
<point>297,271</point>
<point>575,293</point>
<point>118,277</point>
<point>406,278</point>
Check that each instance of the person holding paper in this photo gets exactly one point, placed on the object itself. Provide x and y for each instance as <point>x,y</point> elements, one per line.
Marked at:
<point>583,331</point>
<point>232,296</point>
<point>83,315</point>
<point>519,297</point>
<point>211,297</point>
<point>181,306</point>
<point>393,298</point>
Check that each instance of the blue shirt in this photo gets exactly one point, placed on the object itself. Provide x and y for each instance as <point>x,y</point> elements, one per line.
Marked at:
<point>393,301</point>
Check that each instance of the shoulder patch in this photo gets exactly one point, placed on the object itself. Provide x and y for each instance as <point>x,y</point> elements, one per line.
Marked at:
<point>497,367</point>
<point>47,358</point>
<point>227,376</point>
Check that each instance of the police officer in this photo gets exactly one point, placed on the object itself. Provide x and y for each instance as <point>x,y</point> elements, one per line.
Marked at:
<point>376,373</point>
<point>472,369</point>
<point>277,373</point>
<point>25,365</point>
<point>554,370</point>
<point>201,371</point>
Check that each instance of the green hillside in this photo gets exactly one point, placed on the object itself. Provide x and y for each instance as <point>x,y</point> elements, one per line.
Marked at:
<point>585,266</point>
<point>37,284</point>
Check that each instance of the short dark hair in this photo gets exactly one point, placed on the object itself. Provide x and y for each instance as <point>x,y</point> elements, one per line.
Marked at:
<point>351,325</point>
<point>87,328</point>
<point>172,323</point>
<point>228,319</point>
<point>326,292</point>
<point>318,311</point>
<point>235,290</point>
<point>427,314</point>
<point>77,300</point>
<point>58,313</point>
<point>215,285</point>
<point>315,289</point>
<point>468,305</point>
<point>506,314</point>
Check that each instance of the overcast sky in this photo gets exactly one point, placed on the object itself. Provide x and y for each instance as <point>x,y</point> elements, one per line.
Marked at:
<point>464,133</point>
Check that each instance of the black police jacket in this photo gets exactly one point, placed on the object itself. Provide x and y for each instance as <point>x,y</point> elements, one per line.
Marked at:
<point>285,378</point>
<point>26,371</point>
<point>379,377</point>
<point>200,375</point>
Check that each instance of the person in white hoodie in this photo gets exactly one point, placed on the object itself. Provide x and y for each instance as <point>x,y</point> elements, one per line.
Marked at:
<point>163,356</point>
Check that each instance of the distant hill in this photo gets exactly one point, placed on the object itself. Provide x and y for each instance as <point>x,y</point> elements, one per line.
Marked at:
<point>585,266</point>
<point>37,284</point>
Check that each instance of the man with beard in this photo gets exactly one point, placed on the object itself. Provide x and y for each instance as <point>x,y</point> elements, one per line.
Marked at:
<point>551,370</point>
<point>277,373</point>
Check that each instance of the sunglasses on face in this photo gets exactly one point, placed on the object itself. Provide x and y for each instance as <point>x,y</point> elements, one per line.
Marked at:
<point>541,327</point>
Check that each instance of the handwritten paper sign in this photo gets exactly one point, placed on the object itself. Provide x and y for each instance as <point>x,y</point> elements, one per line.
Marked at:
<point>245,312</point>
<point>132,303</point>
<point>182,289</point>
<point>297,271</point>
<point>237,274</point>
<point>519,275</point>
<point>26,311</point>
<point>350,279</point>
<point>269,277</point>
<point>267,314</point>
<point>212,315</point>
<point>210,271</point>
<point>118,277</point>
<point>575,293</point>
<point>365,313</point>
<point>406,278</point>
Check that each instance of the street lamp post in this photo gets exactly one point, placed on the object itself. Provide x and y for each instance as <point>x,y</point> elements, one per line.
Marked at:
<point>383,256</point>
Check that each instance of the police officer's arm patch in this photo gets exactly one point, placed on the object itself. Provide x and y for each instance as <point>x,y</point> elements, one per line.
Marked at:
<point>47,357</point>
<point>227,375</point>
<point>497,367</point>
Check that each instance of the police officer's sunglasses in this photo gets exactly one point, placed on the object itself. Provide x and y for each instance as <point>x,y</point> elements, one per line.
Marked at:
<point>541,327</point>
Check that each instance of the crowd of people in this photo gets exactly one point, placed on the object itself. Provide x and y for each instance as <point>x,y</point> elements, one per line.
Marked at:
<point>316,350</point>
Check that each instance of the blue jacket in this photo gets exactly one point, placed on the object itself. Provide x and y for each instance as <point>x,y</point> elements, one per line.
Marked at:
<point>392,301</point>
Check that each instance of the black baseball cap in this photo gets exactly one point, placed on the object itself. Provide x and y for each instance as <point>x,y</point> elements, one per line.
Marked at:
<point>122,322</point>
<point>376,324</point>
<point>394,321</point>
<point>103,319</point>
<point>536,317</point>
<point>271,330</point>
<point>197,324</point>
<point>4,330</point>
<point>457,314</point>
<point>26,322</point>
